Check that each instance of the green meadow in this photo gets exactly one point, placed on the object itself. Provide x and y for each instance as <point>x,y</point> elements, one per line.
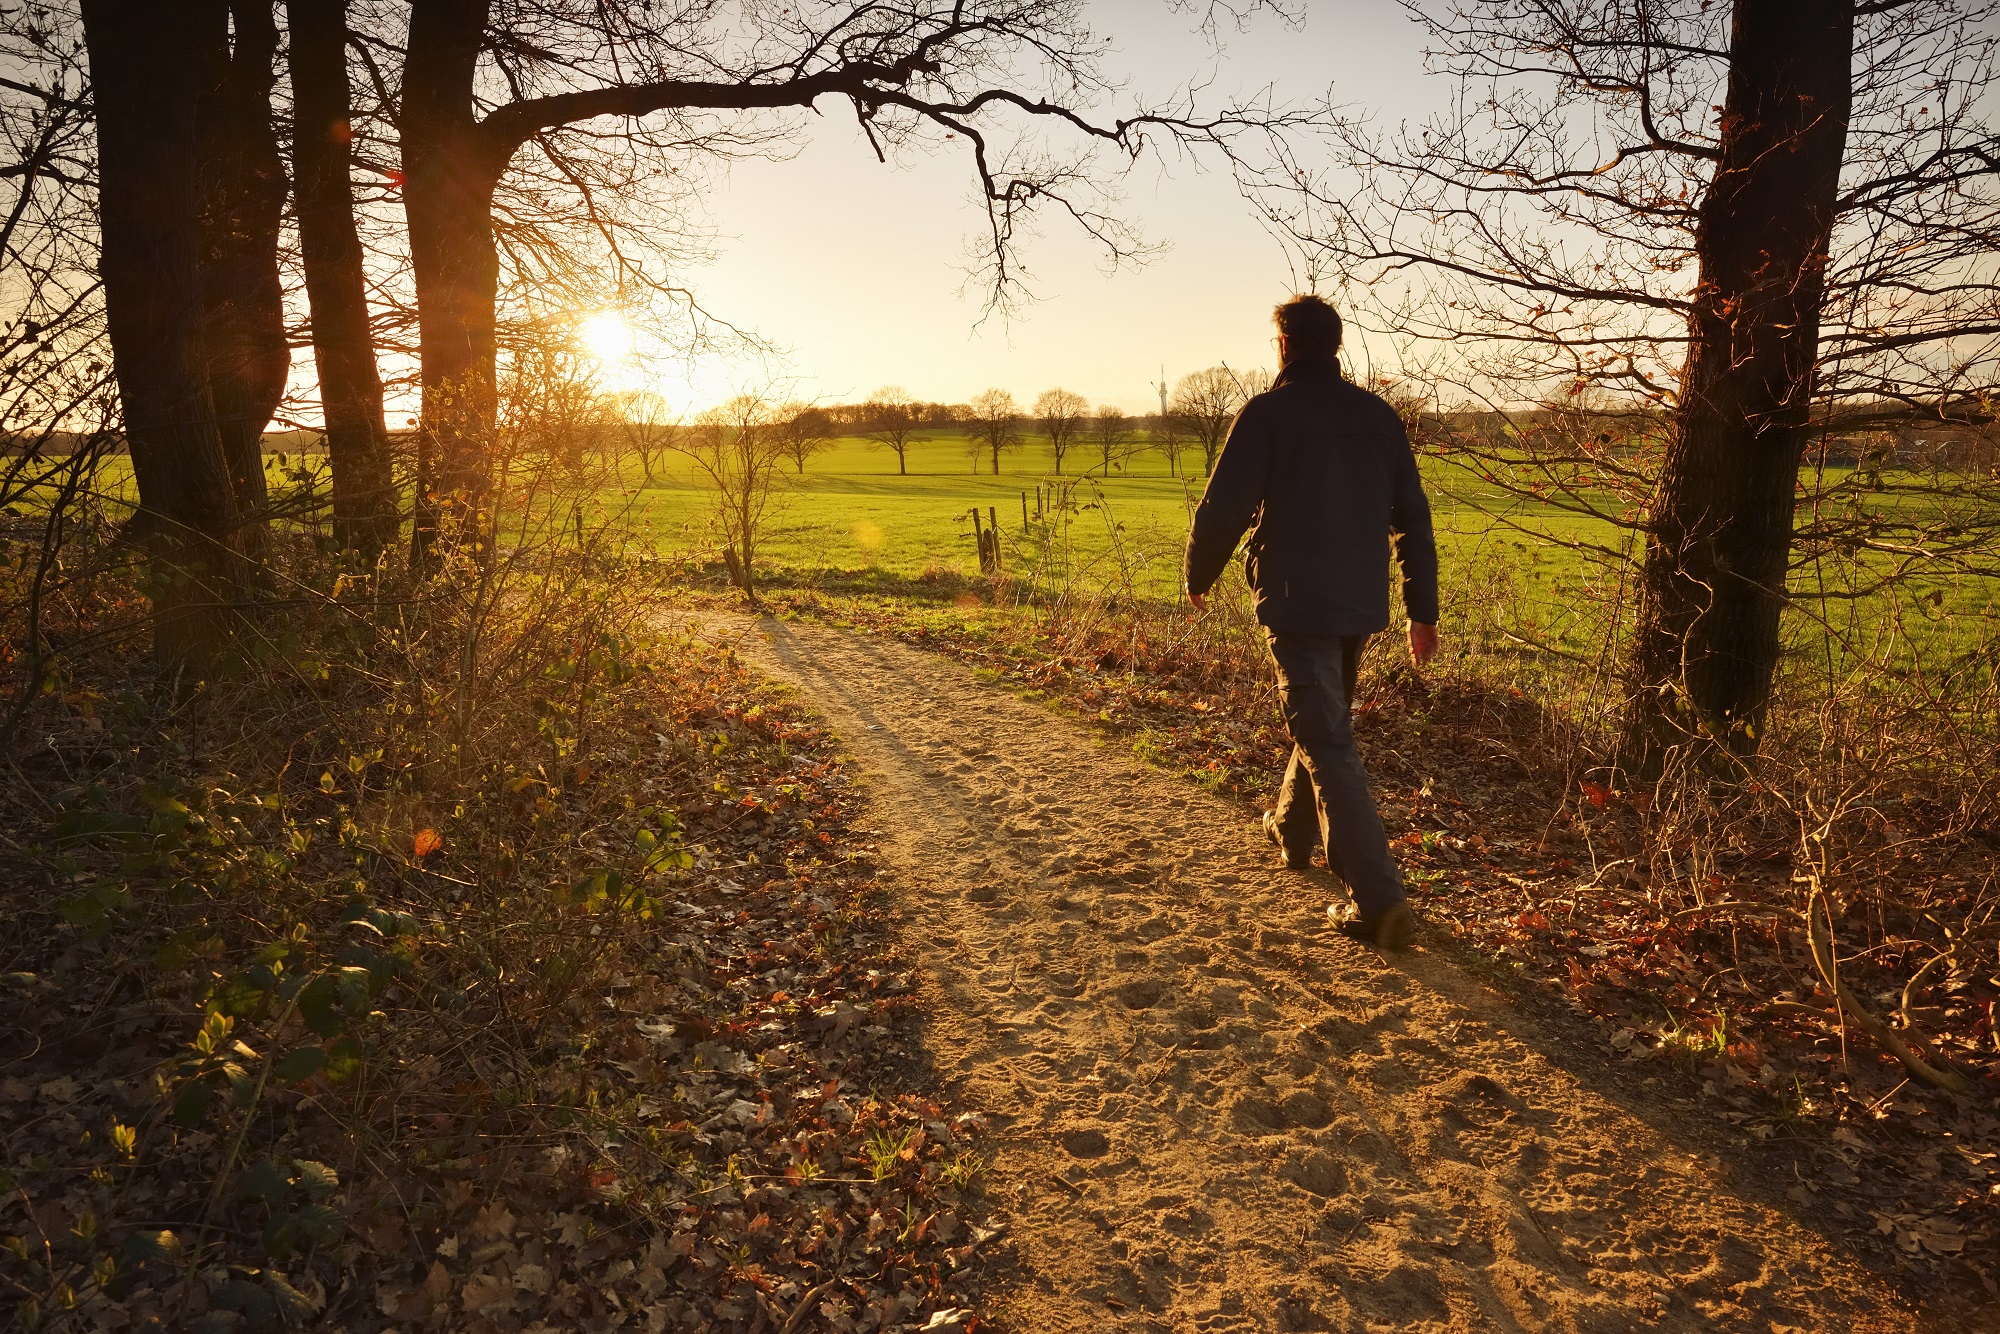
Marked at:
<point>1123,532</point>
<point>1517,573</point>
<point>1520,578</point>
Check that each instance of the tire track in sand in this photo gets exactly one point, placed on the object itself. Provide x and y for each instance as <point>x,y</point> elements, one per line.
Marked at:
<point>1214,1113</point>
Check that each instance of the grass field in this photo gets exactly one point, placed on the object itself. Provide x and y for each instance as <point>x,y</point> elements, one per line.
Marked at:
<point>850,510</point>
<point>1515,576</point>
<point>1518,577</point>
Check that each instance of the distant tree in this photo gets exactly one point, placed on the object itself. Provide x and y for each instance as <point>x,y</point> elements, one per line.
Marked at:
<point>1061,415</point>
<point>892,420</point>
<point>996,426</point>
<point>647,427</point>
<point>1205,403</point>
<point>550,411</point>
<point>1254,382</point>
<point>739,451</point>
<point>803,431</point>
<point>1111,431</point>
<point>1165,434</point>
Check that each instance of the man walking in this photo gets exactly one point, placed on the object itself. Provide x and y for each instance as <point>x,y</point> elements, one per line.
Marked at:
<point>1320,473</point>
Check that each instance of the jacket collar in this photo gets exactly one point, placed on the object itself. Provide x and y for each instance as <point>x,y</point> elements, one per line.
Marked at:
<point>1309,370</point>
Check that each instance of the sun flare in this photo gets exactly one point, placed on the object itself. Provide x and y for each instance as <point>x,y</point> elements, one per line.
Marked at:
<point>606,336</point>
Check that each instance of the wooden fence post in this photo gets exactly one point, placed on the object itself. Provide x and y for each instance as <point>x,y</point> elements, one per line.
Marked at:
<point>987,540</point>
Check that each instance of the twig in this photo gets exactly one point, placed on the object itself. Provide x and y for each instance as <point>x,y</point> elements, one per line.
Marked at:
<point>1886,1096</point>
<point>1821,938</point>
<point>806,1303</point>
<point>1910,989</point>
<point>1816,1011</point>
<point>1720,904</point>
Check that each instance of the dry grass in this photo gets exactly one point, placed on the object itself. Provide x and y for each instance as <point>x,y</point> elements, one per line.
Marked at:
<point>465,954</point>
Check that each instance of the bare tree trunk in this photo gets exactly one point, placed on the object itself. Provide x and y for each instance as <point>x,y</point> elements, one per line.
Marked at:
<point>243,197</point>
<point>357,441</point>
<point>450,172</point>
<point>1721,523</point>
<point>144,58</point>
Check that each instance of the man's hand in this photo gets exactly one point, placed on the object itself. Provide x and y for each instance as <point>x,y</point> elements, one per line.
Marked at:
<point>1423,643</point>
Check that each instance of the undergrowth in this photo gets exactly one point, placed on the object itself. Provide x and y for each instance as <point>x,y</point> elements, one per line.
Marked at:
<point>466,954</point>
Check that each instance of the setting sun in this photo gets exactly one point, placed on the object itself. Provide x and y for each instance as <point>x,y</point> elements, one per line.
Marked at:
<point>606,336</point>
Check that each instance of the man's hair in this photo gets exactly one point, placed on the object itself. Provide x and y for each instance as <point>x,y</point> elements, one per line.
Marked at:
<point>1310,326</point>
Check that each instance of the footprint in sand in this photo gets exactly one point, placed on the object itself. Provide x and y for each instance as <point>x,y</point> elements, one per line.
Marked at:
<point>1258,1125</point>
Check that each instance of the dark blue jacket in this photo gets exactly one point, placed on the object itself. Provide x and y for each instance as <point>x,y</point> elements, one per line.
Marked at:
<point>1320,473</point>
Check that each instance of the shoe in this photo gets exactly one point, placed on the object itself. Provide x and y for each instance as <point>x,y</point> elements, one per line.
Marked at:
<point>1293,861</point>
<point>1393,930</point>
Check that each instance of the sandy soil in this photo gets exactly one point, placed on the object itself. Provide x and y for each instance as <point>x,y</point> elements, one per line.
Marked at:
<point>1216,1114</point>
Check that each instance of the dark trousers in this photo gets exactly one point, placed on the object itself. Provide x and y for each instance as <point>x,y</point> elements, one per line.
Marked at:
<point>1325,797</point>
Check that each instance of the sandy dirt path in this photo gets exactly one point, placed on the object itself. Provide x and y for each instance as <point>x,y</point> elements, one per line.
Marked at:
<point>1215,1113</point>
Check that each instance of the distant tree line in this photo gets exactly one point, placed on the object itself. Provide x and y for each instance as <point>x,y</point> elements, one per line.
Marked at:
<point>1102,439</point>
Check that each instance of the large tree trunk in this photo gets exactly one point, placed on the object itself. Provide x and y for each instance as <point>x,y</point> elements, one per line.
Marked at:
<point>357,443</point>
<point>1720,531</point>
<point>451,169</point>
<point>243,197</point>
<point>144,58</point>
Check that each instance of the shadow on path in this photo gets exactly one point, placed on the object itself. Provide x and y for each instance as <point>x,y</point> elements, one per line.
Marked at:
<point>1216,1114</point>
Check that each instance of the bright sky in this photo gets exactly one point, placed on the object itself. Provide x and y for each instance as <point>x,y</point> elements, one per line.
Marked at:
<point>857,269</point>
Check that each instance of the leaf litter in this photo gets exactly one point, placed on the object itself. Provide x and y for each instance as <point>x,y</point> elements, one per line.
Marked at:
<point>714,1122</point>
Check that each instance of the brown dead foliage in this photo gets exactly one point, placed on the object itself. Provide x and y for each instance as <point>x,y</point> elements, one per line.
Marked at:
<point>609,1038</point>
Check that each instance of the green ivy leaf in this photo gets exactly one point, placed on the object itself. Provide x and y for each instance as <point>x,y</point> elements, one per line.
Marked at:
<point>354,986</point>
<point>279,1236</point>
<point>320,1225</point>
<point>240,997</point>
<point>149,1247</point>
<point>295,1305</point>
<point>301,1064</point>
<point>316,1179</point>
<point>240,1083</point>
<point>319,1003</point>
<point>265,1181</point>
<point>343,1059</point>
<point>192,1105</point>
<point>257,1307</point>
